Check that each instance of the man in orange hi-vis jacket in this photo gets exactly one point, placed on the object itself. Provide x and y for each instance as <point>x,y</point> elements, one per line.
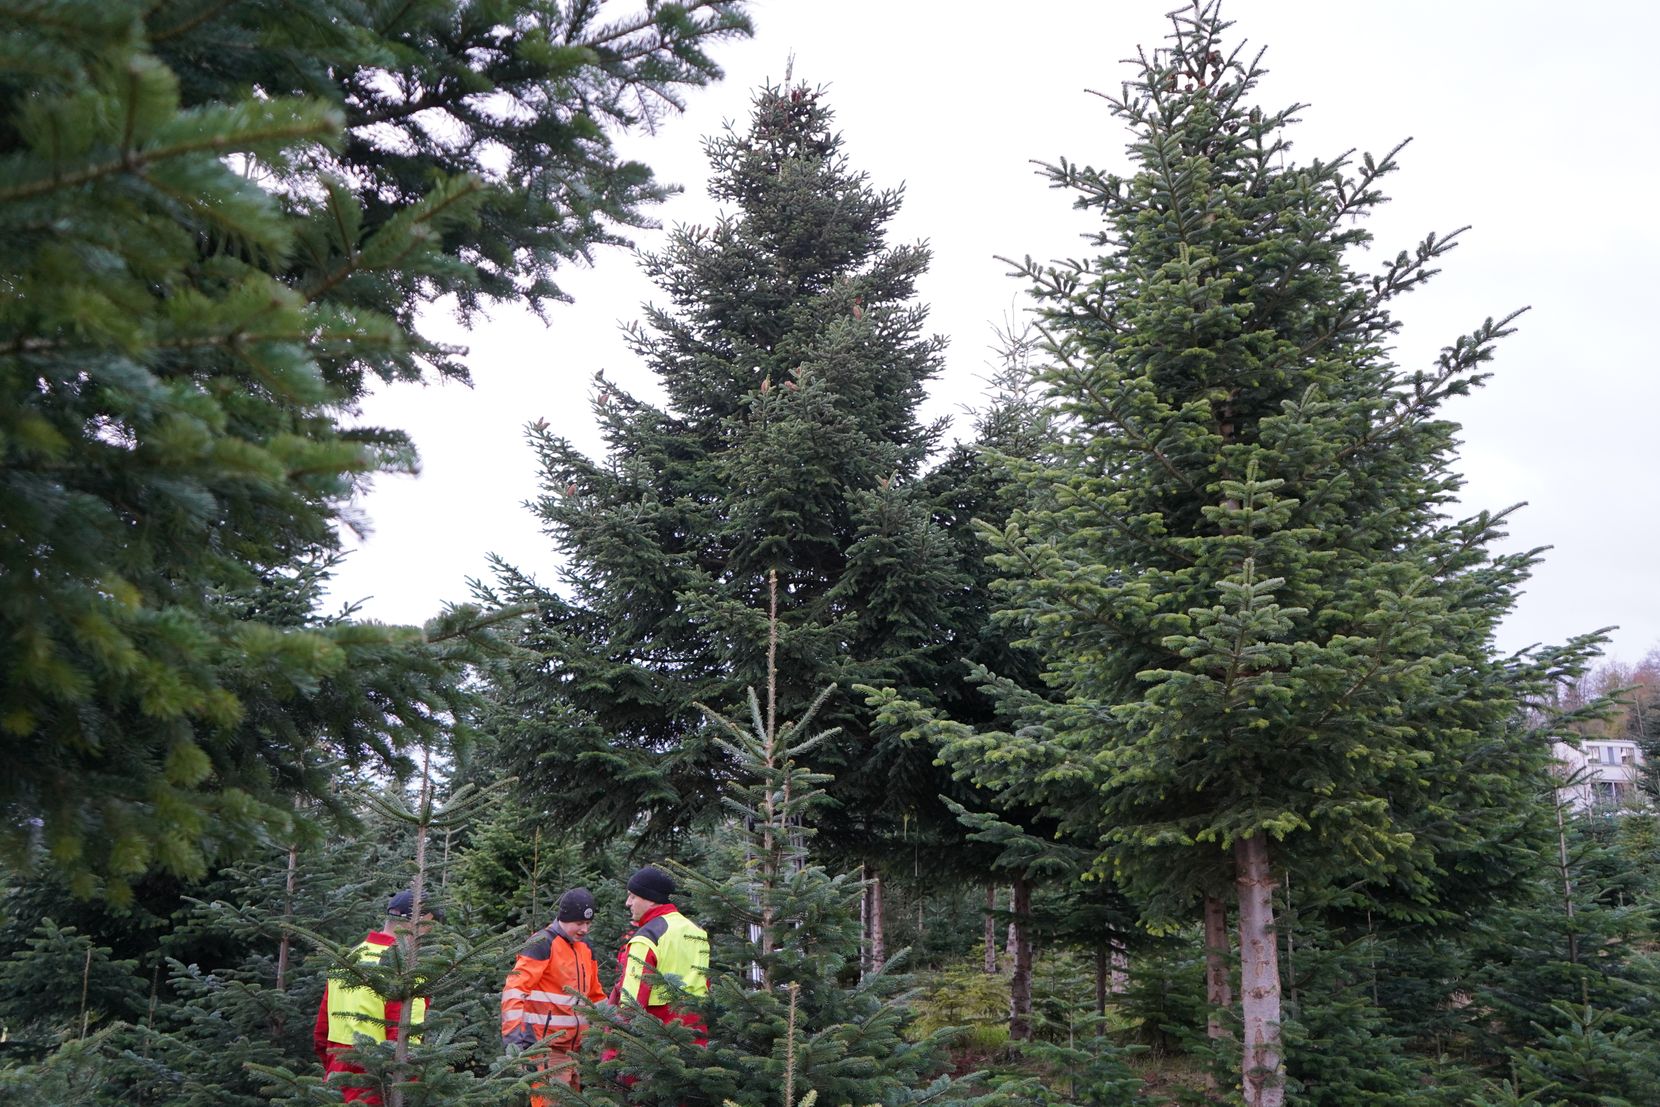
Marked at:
<point>539,1002</point>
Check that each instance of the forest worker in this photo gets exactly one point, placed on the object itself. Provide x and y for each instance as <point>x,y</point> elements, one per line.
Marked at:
<point>665,949</point>
<point>539,1002</point>
<point>350,1011</point>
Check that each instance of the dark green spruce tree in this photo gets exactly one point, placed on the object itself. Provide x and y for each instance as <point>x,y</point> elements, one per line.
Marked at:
<point>792,357</point>
<point>1271,640</point>
<point>221,221</point>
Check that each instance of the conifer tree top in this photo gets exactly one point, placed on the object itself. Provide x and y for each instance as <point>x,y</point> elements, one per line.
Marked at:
<point>1240,569</point>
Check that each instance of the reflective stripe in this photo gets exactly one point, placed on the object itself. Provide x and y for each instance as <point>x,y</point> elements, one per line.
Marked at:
<point>539,1025</point>
<point>558,999</point>
<point>561,1021</point>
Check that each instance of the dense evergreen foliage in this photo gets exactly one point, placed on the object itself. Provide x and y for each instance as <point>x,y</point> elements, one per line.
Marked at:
<point>793,358</point>
<point>1185,619</point>
<point>221,221</point>
<point>1272,645</point>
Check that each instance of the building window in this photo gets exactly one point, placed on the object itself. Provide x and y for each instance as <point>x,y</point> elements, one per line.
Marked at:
<point>1610,793</point>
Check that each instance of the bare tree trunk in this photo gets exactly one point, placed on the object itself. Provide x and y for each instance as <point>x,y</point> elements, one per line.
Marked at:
<point>1120,969</point>
<point>1020,982</point>
<point>286,942</point>
<point>1568,901</point>
<point>1100,980</point>
<point>417,909</point>
<point>536,876</point>
<point>878,936</point>
<point>86,981</point>
<point>864,920</point>
<point>1262,1071</point>
<point>1218,982</point>
<point>991,929</point>
<point>288,916</point>
<point>1567,886</point>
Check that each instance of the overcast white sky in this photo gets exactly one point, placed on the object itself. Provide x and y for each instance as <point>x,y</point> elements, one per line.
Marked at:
<point>1533,121</point>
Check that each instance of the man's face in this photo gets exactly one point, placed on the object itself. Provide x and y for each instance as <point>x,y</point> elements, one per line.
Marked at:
<point>578,929</point>
<point>637,907</point>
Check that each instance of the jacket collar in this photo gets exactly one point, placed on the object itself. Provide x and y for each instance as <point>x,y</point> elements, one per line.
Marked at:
<point>656,913</point>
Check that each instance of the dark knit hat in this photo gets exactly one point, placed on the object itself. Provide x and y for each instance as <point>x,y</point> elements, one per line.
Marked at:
<point>652,883</point>
<point>576,906</point>
<point>404,902</point>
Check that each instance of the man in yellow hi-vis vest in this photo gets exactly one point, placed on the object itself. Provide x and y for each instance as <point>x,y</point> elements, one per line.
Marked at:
<point>663,946</point>
<point>349,1011</point>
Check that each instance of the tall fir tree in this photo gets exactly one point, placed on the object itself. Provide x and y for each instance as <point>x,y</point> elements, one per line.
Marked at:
<point>1273,645</point>
<point>793,358</point>
<point>222,220</point>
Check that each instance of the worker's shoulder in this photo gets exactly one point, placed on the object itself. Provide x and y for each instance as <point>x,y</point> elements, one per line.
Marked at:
<point>540,946</point>
<point>653,929</point>
<point>683,924</point>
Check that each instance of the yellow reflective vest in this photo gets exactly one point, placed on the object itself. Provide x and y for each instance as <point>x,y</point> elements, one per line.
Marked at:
<point>669,945</point>
<point>353,1009</point>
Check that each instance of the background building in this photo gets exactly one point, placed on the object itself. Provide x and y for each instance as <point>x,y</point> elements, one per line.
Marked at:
<point>1602,773</point>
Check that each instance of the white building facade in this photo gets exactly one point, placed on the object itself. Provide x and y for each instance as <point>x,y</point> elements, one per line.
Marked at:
<point>1600,775</point>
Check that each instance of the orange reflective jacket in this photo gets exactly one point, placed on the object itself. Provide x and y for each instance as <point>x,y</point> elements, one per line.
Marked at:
<point>539,1002</point>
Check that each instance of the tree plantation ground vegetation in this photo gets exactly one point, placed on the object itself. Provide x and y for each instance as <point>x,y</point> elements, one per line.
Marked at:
<point>1148,745</point>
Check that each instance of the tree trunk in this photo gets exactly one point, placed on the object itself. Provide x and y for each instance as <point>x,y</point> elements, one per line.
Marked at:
<point>878,924</point>
<point>286,942</point>
<point>1120,969</point>
<point>1100,980</point>
<point>991,929</point>
<point>875,937</point>
<point>1218,983</point>
<point>1020,983</point>
<point>417,909</point>
<point>1262,1072</point>
<point>864,921</point>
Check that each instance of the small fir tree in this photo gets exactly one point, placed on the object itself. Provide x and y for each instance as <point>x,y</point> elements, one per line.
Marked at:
<point>1561,974</point>
<point>453,1057</point>
<point>1083,1068</point>
<point>789,1020</point>
<point>62,984</point>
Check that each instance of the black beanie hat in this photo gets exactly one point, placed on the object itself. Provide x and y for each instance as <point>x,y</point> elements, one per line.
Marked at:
<point>576,906</point>
<point>404,902</point>
<point>652,883</point>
